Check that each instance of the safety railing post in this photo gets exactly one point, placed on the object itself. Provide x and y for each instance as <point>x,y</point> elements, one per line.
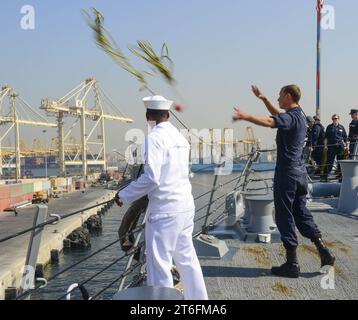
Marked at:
<point>210,201</point>
<point>246,172</point>
<point>130,260</point>
<point>28,276</point>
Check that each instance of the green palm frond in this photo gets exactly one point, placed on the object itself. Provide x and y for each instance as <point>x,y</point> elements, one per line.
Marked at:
<point>106,42</point>
<point>145,51</point>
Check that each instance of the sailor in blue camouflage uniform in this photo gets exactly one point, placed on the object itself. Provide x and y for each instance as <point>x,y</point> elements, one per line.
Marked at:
<point>353,134</point>
<point>290,182</point>
<point>336,141</point>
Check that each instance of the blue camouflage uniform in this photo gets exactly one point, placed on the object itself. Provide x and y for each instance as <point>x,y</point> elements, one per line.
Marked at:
<point>336,139</point>
<point>290,182</point>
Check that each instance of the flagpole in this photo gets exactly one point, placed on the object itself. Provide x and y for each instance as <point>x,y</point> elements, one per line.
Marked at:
<point>318,62</point>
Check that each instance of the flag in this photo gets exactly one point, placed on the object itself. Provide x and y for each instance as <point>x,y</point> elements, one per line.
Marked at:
<point>320,4</point>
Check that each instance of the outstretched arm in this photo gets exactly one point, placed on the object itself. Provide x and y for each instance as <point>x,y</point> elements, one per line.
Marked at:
<point>269,105</point>
<point>260,121</point>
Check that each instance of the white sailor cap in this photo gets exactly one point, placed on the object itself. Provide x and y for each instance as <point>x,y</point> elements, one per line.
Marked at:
<point>157,103</point>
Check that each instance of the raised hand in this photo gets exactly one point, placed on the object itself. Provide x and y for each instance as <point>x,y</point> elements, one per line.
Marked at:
<point>257,92</point>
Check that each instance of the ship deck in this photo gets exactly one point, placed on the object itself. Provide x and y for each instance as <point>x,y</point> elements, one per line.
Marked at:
<point>244,272</point>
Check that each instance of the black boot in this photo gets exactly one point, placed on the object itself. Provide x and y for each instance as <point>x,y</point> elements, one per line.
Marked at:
<point>290,269</point>
<point>327,259</point>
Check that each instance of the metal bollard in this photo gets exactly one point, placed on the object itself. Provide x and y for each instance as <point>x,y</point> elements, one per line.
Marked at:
<point>348,198</point>
<point>261,208</point>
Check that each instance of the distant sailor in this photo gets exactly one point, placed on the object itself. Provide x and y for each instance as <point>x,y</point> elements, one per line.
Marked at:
<point>170,213</point>
<point>353,135</point>
<point>336,142</point>
<point>290,182</point>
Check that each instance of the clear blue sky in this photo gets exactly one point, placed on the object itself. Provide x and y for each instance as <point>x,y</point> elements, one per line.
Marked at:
<point>219,49</point>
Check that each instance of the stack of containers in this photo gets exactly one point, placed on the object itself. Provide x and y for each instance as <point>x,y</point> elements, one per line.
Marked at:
<point>12,193</point>
<point>20,193</point>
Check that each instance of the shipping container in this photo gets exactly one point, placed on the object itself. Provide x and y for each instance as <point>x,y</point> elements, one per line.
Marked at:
<point>13,194</point>
<point>5,192</point>
<point>19,199</point>
<point>27,188</point>
<point>4,204</point>
<point>32,180</point>
<point>16,190</point>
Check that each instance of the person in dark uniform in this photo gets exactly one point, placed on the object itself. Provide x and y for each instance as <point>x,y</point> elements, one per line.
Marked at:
<point>318,137</point>
<point>336,137</point>
<point>353,134</point>
<point>290,181</point>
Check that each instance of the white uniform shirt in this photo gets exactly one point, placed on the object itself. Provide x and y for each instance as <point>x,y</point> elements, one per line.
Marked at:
<point>166,173</point>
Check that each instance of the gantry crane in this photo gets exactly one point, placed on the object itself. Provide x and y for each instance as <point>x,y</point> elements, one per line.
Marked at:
<point>221,142</point>
<point>249,141</point>
<point>18,112</point>
<point>75,104</point>
<point>40,149</point>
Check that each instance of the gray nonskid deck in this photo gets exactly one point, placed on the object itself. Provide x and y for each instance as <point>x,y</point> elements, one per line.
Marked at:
<point>247,274</point>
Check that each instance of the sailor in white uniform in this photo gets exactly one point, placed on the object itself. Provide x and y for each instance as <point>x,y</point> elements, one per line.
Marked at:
<point>170,215</point>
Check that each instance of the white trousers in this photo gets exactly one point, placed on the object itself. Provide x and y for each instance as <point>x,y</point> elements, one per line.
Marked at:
<point>169,237</point>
